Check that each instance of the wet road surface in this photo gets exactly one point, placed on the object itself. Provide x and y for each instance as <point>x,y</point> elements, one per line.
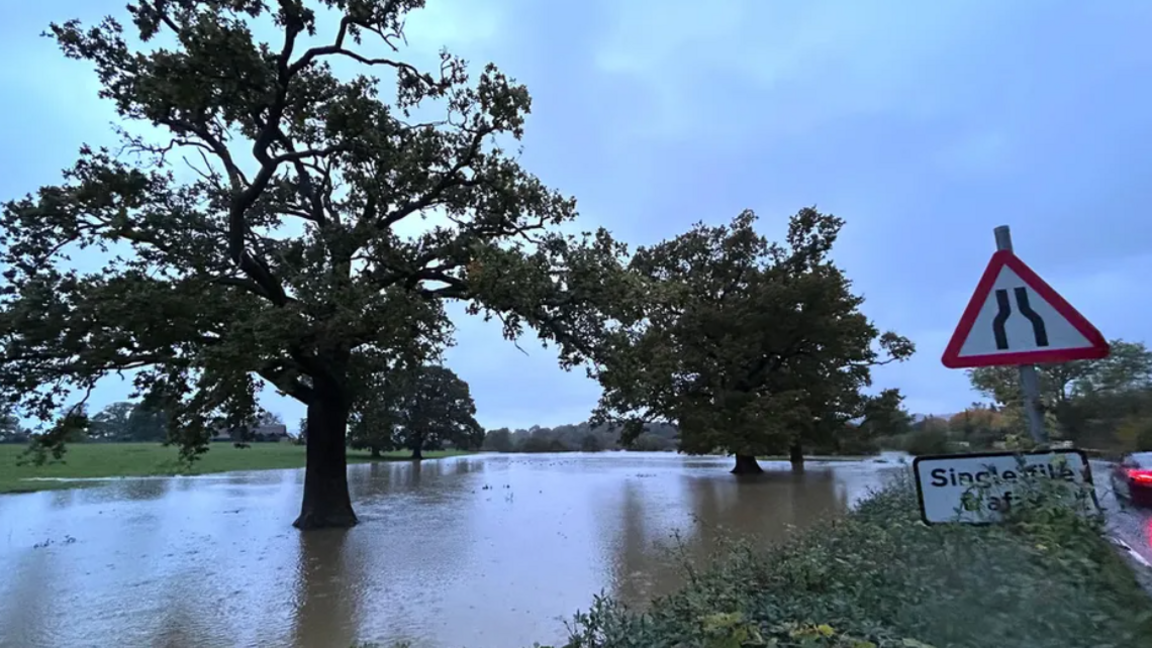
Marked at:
<point>1132,526</point>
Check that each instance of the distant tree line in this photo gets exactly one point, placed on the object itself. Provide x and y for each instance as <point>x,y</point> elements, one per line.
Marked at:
<point>1105,404</point>
<point>1101,404</point>
<point>121,421</point>
<point>136,422</point>
<point>10,429</point>
<point>884,419</point>
<point>581,437</point>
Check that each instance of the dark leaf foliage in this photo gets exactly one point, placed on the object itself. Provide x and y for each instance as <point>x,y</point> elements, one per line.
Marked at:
<point>417,410</point>
<point>1103,404</point>
<point>253,234</point>
<point>880,578</point>
<point>749,346</point>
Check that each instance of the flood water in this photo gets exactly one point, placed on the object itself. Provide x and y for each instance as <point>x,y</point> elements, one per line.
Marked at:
<point>479,551</point>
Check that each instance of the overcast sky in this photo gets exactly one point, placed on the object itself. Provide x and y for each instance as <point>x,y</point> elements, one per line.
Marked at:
<point>923,124</point>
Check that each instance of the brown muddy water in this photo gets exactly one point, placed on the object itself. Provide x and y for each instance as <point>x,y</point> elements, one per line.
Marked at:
<point>480,551</point>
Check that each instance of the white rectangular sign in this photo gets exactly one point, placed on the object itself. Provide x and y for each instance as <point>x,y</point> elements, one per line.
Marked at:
<point>979,488</point>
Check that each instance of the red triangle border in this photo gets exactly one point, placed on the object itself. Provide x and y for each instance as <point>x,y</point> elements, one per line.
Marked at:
<point>1098,346</point>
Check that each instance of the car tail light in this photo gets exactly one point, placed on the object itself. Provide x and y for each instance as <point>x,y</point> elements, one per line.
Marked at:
<point>1140,476</point>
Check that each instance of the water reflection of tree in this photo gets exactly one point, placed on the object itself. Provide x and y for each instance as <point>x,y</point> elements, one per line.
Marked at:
<point>409,550</point>
<point>28,609</point>
<point>146,489</point>
<point>648,558</point>
<point>180,622</point>
<point>131,488</point>
<point>764,507</point>
<point>378,479</point>
<point>464,466</point>
<point>327,590</point>
<point>63,498</point>
<point>633,560</point>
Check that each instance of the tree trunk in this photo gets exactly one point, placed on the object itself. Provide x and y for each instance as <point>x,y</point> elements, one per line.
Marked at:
<point>418,453</point>
<point>375,452</point>
<point>327,503</point>
<point>796,456</point>
<point>746,465</point>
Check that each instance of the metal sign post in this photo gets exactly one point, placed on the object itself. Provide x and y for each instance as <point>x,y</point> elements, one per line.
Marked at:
<point>1014,318</point>
<point>1029,378</point>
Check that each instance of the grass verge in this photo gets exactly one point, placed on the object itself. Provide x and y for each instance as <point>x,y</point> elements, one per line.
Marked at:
<point>95,460</point>
<point>879,578</point>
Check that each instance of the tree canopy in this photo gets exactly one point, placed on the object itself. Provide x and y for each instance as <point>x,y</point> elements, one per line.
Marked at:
<point>748,346</point>
<point>112,423</point>
<point>1085,400</point>
<point>420,411</point>
<point>1129,365</point>
<point>579,437</point>
<point>884,415</point>
<point>10,429</point>
<point>250,224</point>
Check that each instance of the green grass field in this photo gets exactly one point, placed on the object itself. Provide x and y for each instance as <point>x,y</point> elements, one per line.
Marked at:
<point>141,459</point>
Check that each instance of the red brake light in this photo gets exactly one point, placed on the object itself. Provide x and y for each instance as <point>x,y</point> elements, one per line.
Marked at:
<point>1140,476</point>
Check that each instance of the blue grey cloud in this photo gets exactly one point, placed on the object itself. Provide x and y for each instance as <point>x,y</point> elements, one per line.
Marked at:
<point>923,124</point>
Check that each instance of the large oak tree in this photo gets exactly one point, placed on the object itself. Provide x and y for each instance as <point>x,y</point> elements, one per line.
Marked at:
<point>751,347</point>
<point>251,216</point>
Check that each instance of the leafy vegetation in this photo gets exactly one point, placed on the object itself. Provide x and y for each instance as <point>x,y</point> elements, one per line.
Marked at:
<point>582,437</point>
<point>855,440</point>
<point>11,431</point>
<point>1096,404</point>
<point>928,441</point>
<point>879,578</point>
<point>418,410</point>
<point>282,262</point>
<point>1105,404</point>
<point>748,346</point>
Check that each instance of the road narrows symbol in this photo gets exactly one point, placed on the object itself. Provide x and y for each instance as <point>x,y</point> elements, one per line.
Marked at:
<point>1038,329</point>
<point>1001,317</point>
<point>1004,311</point>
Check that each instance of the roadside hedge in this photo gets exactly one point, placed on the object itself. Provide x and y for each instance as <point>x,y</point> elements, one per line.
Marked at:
<point>880,578</point>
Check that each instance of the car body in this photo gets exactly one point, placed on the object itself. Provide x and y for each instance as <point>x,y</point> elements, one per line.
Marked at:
<point>1132,478</point>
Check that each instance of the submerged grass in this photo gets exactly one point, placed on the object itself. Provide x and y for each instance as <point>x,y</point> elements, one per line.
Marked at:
<point>880,578</point>
<point>99,460</point>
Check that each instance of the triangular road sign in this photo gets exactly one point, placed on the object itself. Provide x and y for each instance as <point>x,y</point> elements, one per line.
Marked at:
<point>1015,318</point>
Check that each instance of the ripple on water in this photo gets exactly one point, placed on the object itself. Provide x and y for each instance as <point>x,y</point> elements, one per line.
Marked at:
<point>506,546</point>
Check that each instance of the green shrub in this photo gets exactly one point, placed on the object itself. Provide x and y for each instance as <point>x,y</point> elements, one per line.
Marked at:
<point>1135,434</point>
<point>535,444</point>
<point>856,446</point>
<point>927,442</point>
